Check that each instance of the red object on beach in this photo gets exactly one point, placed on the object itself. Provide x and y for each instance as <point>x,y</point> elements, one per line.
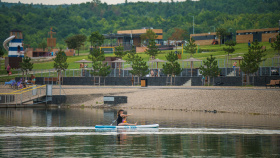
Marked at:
<point>10,73</point>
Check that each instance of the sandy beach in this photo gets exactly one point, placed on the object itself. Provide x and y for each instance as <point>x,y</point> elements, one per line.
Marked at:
<point>247,100</point>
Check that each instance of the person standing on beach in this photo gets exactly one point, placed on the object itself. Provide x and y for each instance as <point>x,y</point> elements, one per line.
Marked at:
<point>8,69</point>
<point>120,119</point>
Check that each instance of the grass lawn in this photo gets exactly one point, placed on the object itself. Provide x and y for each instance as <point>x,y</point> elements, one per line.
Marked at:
<point>215,50</point>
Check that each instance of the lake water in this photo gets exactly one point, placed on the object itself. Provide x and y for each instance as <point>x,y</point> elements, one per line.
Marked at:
<point>71,133</point>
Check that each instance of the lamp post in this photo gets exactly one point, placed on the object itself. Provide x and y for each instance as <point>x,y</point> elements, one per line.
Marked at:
<point>214,28</point>
<point>193,24</point>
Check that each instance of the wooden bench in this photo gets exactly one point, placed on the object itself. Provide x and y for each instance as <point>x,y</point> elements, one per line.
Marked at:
<point>50,79</point>
<point>273,83</point>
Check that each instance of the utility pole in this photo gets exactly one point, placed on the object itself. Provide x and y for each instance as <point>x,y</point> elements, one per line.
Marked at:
<point>214,28</point>
<point>193,24</point>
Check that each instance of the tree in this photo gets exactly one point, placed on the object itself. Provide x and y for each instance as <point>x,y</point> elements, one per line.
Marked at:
<point>60,63</point>
<point>131,55</point>
<point>221,33</point>
<point>139,67</point>
<point>150,34</point>
<point>252,59</point>
<point>178,34</point>
<point>210,68</point>
<point>43,45</point>
<point>230,49</point>
<point>119,52</point>
<point>26,65</point>
<point>172,68</point>
<point>191,47</point>
<point>100,69</point>
<point>76,41</point>
<point>152,50</point>
<point>96,39</point>
<point>276,44</point>
<point>1,55</point>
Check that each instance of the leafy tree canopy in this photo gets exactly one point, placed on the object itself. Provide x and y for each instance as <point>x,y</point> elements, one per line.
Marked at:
<point>60,62</point>
<point>276,44</point>
<point>76,41</point>
<point>35,20</point>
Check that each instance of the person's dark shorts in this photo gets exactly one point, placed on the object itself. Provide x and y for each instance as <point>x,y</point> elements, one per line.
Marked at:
<point>8,72</point>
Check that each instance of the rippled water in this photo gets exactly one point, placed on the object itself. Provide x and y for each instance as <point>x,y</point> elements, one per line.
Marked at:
<point>71,133</point>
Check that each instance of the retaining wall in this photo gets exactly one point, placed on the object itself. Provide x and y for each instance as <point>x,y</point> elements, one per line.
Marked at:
<point>161,81</point>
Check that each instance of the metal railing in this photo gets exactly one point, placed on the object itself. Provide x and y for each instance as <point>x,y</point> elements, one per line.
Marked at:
<point>21,96</point>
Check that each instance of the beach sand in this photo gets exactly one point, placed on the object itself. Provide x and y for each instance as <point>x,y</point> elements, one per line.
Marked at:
<point>247,100</point>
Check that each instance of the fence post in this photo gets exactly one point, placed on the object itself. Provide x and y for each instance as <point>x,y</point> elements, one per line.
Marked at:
<point>260,71</point>
<point>269,71</point>
<point>20,98</point>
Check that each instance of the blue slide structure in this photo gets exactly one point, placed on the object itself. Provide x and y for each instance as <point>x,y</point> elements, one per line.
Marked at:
<point>15,48</point>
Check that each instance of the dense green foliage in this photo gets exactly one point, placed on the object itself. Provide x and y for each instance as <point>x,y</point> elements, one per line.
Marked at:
<point>68,20</point>
<point>75,42</point>
<point>60,62</point>
<point>172,67</point>
<point>276,44</point>
<point>26,66</point>
<point>191,47</point>
<point>139,66</point>
<point>119,52</point>
<point>210,68</point>
<point>1,55</point>
<point>252,59</point>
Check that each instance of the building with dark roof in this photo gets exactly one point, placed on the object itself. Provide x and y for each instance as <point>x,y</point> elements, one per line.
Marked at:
<point>261,35</point>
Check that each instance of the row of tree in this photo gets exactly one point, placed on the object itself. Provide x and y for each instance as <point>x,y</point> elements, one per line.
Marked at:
<point>250,64</point>
<point>68,20</point>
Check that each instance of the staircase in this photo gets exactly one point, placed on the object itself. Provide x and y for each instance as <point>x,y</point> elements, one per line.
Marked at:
<point>188,83</point>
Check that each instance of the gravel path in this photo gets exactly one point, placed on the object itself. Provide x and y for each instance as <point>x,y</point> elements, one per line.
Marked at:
<point>253,100</point>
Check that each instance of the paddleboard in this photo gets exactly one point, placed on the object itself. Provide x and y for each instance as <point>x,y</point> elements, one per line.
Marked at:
<point>137,126</point>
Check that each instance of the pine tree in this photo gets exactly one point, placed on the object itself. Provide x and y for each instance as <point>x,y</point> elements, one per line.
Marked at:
<point>139,66</point>
<point>26,65</point>
<point>210,68</point>
<point>252,59</point>
<point>190,47</point>
<point>131,55</point>
<point>230,49</point>
<point>96,39</point>
<point>172,68</point>
<point>276,44</point>
<point>152,50</point>
<point>120,52</point>
<point>60,62</point>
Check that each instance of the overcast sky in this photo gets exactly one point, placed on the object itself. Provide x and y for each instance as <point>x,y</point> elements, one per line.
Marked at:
<point>79,1</point>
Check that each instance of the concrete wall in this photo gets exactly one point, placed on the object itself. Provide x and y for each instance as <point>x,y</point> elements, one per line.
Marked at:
<point>161,81</point>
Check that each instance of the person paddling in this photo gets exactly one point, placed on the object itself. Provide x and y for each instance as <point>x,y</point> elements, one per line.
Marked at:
<point>120,119</point>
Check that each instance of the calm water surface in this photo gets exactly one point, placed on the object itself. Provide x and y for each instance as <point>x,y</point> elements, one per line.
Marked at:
<point>71,133</point>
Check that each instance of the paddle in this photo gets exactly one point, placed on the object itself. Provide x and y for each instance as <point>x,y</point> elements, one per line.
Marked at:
<point>113,122</point>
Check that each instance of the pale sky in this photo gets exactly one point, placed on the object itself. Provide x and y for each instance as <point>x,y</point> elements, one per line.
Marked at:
<point>80,1</point>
